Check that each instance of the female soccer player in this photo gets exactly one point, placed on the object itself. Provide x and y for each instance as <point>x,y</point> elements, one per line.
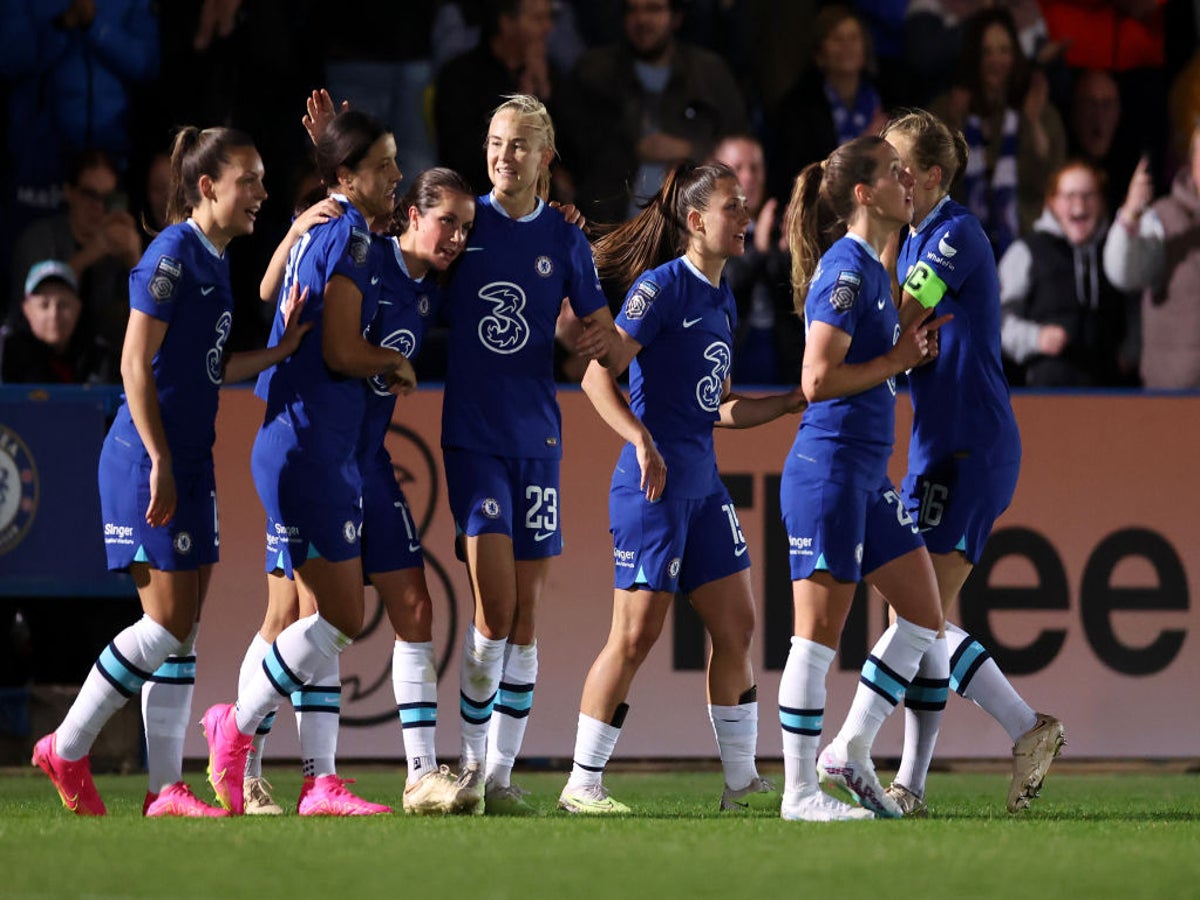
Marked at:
<point>963,458</point>
<point>427,233</point>
<point>304,460</point>
<point>501,429</point>
<point>673,523</point>
<point>844,521</point>
<point>157,489</point>
<point>432,223</point>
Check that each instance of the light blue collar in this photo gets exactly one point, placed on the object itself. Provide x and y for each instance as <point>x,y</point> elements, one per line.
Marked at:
<point>495,204</point>
<point>403,265</point>
<point>865,244</point>
<point>917,229</point>
<point>208,245</point>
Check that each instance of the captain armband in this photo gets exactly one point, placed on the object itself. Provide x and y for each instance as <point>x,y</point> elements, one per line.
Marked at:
<point>924,284</point>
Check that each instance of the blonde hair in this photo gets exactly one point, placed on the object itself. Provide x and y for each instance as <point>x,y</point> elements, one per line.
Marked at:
<point>534,115</point>
<point>934,143</point>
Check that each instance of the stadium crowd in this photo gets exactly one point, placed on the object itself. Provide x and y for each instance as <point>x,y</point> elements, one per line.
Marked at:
<point>93,88</point>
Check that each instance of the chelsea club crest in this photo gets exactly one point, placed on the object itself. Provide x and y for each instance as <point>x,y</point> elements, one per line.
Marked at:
<point>18,489</point>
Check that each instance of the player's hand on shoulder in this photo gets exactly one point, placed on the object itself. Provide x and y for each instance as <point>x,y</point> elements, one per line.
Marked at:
<point>572,214</point>
<point>317,214</point>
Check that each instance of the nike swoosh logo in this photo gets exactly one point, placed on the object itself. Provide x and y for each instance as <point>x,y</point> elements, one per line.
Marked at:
<point>374,279</point>
<point>880,306</point>
<point>386,303</point>
<point>688,323</point>
<point>205,291</point>
<point>542,535</point>
<point>72,803</point>
<point>739,551</point>
<point>473,249</point>
<point>414,547</point>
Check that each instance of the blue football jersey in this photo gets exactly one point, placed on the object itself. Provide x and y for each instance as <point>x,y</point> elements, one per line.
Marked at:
<point>324,409</point>
<point>961,399</point>
<point>851,291</point>
<point>501,307</point>
<point>685,327</point>
<point>184,281</point>
<point>406,308</point>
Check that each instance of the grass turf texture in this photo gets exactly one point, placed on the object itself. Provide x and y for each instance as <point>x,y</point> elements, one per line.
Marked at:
<point>1089,836</point>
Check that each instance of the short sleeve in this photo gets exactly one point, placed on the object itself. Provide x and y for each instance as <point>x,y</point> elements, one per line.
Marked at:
<point>836,298</point>
<point>584,281</point>
<point>642,313</point>
<point>156,284</point>
<point>351,256</point>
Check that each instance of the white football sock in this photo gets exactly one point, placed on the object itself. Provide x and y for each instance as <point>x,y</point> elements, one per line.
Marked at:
<point>885,677</point>
<point>924,705</point>
<point>288,666</point>
<point>414,681</point>
<point>167,712</point>
<point>482,663</point>
<point>510,716</point>
<point>802,712</point>
<point>975,675</point>
<point>119,673</point>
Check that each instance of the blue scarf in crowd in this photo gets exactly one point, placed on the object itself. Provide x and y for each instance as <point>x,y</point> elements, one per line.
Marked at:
<point>993,201</point>
<point>850,123</point>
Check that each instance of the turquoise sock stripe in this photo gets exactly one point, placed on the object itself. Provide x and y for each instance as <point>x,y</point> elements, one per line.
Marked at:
<point>801,721</point>
<point>515,700</point>
<point>417,715</point>
<point>265,726</point>
<point>280,675</point>
<point>475,712</point>
<point>176,670</point>
<point>120,672</point>
<point>927,693</point>
<point>882,680</point>
<point>318,698</point>
<point>966,661</point>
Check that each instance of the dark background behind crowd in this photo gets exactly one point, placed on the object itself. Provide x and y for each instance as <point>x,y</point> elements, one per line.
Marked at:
<point>93,88</point>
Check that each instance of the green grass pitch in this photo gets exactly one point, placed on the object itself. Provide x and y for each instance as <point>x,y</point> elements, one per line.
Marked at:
<point>1091,835</point>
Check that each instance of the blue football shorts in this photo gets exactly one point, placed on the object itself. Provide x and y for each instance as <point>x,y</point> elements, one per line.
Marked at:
<point>190,540</point>
<point>313,509</point>
<point>846,530</point>
<point>517,497</point>
<point>956,503</point>
<point>673,545</point>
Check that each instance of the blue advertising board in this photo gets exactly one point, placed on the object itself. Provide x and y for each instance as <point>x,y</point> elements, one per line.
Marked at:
<point>50,528</point>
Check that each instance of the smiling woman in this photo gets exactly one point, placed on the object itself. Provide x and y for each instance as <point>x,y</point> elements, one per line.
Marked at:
<point>673,523</point>
<point>304,465</point>
<point>845,521</point>
<point>1065,324</point>
<point>501,429</point>
<point>157,489</point>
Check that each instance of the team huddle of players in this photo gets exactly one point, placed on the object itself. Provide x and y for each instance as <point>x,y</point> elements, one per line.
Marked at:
<point>358,279</point>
